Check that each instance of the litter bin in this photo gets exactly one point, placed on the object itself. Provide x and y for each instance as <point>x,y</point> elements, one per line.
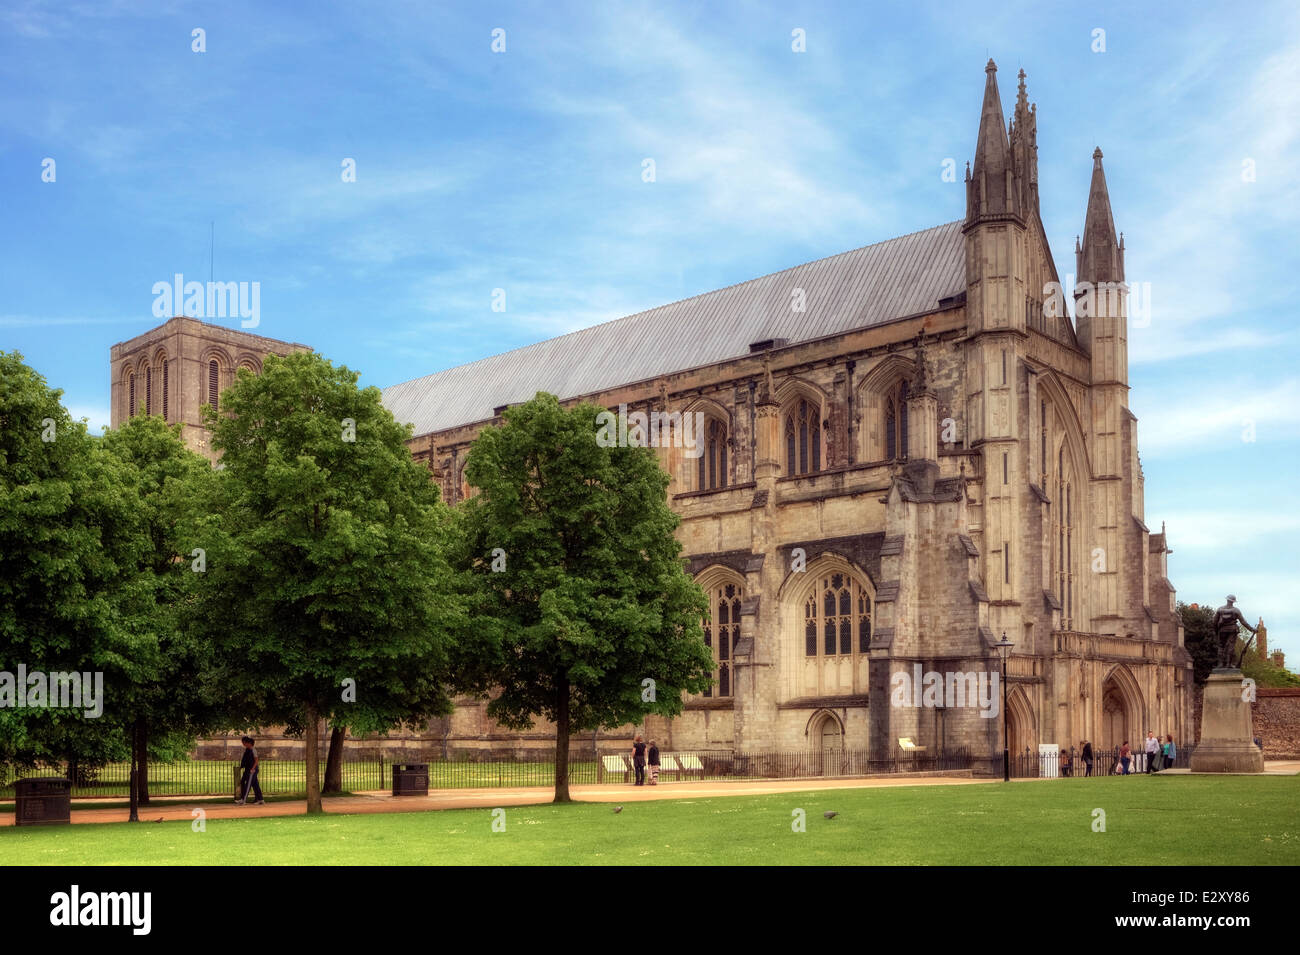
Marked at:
<point>411,779</point>
<point>46,799</point>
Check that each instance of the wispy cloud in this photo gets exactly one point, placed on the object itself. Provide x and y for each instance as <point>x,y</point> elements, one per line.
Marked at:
<point>1218,411</point>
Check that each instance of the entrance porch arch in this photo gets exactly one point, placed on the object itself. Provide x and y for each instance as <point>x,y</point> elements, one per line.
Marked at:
<point>1022,728</point>
<point>1121,709</point>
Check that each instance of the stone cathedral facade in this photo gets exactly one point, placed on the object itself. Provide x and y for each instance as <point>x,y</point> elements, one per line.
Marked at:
<point>909,451</point>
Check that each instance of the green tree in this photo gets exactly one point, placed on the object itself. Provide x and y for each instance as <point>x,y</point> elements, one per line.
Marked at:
<point>166,697</point>
<point>577,593</point>
<point>69,540</point>
<point>1199,638</point>
<point>1265,672</point>
<point>325,573</point>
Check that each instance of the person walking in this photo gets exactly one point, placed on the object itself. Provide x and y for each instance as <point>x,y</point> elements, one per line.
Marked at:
<point>1125,757</point>
<point>248,763</point>
<point>1086,754</point>
<point>1171,751</point>
<point>652,770</point>
<point>1152,747</point>
<point>638,760</point>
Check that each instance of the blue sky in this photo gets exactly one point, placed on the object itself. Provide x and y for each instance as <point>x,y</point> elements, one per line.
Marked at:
<point>522,170</point>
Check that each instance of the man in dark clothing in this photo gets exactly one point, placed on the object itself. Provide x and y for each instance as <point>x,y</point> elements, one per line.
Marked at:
<point>1086,756</point>
<point>653,770</point>
<point>638,760</point>
<point>249,765</point>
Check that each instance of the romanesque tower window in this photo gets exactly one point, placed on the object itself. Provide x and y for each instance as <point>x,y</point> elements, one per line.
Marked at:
<point>721,631</point>
<point>712,464</point>
<point>837,618</point>
<point>130,394</point>
<point>148,389</point>
<point>896,423</point>
<point>803,439</point>
<point>164,389</point>
<point>214,383</point>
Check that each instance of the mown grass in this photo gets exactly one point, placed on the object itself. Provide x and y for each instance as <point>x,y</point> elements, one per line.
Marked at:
<point>1149,821</point>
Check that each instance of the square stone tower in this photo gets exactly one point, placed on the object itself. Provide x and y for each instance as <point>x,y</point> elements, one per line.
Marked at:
<point>175,369</point>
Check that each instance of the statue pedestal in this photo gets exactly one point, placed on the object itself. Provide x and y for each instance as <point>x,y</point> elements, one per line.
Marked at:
<point>1227,736</point>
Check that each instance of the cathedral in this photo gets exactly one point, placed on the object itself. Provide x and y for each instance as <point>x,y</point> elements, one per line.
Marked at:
<point>908,454</point>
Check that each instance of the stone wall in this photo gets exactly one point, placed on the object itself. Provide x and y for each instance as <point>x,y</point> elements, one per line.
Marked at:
<point>1276,717</point>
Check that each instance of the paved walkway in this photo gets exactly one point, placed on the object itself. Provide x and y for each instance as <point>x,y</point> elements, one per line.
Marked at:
<point>173,808</point>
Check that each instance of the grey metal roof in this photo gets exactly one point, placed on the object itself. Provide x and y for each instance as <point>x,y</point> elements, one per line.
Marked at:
<point>867,286</point>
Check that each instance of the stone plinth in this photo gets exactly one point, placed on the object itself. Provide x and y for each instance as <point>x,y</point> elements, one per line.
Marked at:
<point>1227,737</point>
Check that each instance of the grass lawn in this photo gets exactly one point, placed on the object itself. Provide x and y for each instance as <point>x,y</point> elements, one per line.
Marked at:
<point>1160,821</point>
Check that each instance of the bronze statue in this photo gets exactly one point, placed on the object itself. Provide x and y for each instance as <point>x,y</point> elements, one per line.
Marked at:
<point>1226,621</point>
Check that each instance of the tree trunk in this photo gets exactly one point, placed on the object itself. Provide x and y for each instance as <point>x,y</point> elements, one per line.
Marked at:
<point>311,748</point>
<point>562,742</point>
<point>334,760</point>
<point>133,780</point>
<point>142,760</point>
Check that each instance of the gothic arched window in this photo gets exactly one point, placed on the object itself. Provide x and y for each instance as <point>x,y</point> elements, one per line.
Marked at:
<point>1042,441</point>
<point>837,617</point>
<point>712,464</point>
<point>721,632</point>
<point>896,423</point>
<point>1062,513</point>
<point>148,389</point>
<point>803,439</point>
<point>130,394</point>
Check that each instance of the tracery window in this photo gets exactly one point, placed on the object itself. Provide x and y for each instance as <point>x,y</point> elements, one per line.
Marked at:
<point>837,617</point>
<point>803,439</point>
<point>721,632</point>
<point>712,464</point>
<point>896,423</point>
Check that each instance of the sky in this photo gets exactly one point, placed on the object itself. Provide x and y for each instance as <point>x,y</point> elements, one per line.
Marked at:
<point>521,169</point>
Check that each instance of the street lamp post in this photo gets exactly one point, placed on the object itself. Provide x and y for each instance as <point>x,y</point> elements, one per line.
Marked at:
<point>1004,649</point>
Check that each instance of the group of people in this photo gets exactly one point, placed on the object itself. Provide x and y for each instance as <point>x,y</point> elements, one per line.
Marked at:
<point>1160,755</point>
<point>645,770</point>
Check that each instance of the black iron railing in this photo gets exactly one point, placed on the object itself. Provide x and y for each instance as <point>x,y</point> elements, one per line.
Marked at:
<point>1105,762</point>
<point>279,777</point>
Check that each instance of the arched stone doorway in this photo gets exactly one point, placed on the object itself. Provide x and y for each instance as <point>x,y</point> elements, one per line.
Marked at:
<point>1121,710</point>
<point>826,737</point>
<point>1114,718</point>
<point>1021,731</point>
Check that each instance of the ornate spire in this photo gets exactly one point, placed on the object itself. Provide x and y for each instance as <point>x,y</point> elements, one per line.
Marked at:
<point>1100,258</point>
<point>992,152</point>
<point>1023,114</point>
<point>1024,148</point>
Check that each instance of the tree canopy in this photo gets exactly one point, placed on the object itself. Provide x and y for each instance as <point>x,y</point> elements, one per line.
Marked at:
<point>579,606</point>
<point>325,582</point>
